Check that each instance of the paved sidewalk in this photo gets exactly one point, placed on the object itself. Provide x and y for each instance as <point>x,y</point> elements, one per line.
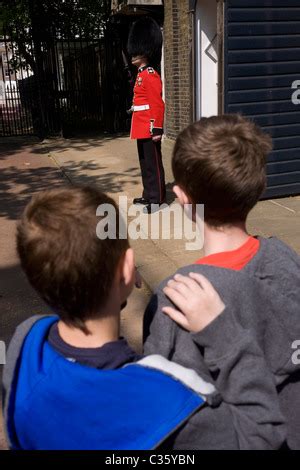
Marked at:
<point>23,172</point>
<point>112,165</point>
<point>26,169</point>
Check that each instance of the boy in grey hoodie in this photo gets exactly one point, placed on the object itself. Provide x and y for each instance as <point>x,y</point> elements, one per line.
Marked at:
<point>220,162</point>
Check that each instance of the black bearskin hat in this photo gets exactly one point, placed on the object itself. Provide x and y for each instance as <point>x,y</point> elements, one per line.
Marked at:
<point>145,39</point>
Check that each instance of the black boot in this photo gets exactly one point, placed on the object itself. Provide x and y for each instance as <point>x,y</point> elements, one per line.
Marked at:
<point>152,207</point>
<point>141,200</point>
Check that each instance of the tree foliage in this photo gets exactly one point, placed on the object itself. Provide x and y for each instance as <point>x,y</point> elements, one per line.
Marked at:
<point>27,22</point>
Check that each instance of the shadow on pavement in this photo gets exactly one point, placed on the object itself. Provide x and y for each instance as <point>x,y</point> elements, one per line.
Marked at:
<point>13,145</point>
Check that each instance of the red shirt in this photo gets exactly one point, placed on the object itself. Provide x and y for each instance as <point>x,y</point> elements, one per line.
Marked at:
<point>147,92</point>
<point>235,259</point>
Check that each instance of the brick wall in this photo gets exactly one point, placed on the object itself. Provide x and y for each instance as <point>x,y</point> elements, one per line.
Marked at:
<point>178,71</point>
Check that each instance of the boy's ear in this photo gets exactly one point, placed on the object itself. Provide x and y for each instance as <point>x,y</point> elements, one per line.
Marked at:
<point>181,195</point>
<point>128,267</point>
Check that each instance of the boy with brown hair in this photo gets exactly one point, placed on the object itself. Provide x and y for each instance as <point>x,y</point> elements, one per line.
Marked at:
<point>71,382</point>
<point>221,162</point>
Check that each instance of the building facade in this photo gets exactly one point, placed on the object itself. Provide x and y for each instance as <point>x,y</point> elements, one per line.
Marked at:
<point>238,56</point>
<point>178,66</point>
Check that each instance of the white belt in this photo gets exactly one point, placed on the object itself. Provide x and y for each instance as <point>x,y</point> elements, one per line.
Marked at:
<point>143,107</point>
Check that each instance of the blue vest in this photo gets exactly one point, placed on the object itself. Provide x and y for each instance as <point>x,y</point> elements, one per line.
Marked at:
<point>58,404</point>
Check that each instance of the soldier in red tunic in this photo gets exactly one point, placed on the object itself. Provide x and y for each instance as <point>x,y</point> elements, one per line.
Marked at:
<point>144,47</point>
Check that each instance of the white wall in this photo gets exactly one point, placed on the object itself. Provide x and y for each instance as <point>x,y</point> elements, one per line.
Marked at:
<point>206,69</point>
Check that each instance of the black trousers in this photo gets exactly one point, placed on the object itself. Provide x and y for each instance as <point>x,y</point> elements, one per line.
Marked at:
<point>153,174</point>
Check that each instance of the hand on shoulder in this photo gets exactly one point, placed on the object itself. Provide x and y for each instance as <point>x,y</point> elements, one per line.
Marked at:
<point>197,301</point>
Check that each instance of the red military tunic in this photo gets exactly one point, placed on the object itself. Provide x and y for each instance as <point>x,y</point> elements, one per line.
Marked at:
<point>148,106</point>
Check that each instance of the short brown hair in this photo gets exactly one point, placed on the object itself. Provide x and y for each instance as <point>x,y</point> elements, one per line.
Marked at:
<point>221,162</point>
<point>64,260</point>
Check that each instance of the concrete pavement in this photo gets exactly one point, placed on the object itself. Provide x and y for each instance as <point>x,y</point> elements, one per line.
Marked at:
<point>26,169</point>
<point>111,163</point>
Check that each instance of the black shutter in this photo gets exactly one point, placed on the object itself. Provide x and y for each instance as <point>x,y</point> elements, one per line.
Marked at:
<point>261,61</point>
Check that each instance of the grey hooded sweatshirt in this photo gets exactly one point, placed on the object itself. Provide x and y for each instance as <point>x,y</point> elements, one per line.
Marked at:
<point>262,302</point>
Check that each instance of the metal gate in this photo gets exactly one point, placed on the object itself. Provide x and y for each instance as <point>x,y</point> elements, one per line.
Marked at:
<point>261,70</point>
<point>77,84</point>
<point>15,115</point>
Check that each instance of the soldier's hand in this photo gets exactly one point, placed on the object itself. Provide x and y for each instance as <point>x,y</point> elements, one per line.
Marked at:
<point>156,138</point>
